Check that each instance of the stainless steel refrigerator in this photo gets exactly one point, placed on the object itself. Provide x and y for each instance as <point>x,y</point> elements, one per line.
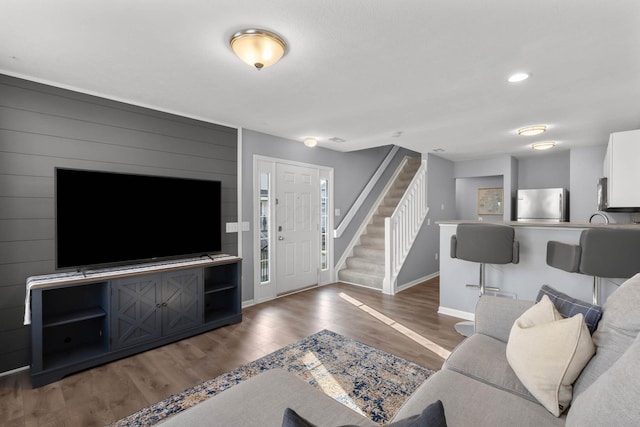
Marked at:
<point>543,205</point>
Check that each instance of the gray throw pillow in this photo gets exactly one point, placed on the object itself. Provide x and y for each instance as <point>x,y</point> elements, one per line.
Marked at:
<point>292,419</point>
<point>569,307</point>
<point>431,416</point>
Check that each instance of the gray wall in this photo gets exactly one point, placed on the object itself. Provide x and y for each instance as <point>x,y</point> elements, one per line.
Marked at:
<point>352,172</point>
<point>424,257</point>
<point>43,127</point>
<point>586,169</point>
<point>546,171</point>
<point>467,197</point>
<point>505,166</point>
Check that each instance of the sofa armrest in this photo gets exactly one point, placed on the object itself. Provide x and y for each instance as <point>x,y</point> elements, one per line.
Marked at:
<point>495,315</point>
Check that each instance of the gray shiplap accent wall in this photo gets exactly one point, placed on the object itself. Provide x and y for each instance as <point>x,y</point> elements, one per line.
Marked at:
<point>43,127</point>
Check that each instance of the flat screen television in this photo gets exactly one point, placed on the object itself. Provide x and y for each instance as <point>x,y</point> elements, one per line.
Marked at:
<point>105,218</point>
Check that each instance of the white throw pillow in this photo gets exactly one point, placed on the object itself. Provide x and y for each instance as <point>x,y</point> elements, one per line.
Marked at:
<point>547,353</point>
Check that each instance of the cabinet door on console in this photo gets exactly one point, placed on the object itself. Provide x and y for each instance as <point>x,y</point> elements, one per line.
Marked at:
<point>181,300</point>
<point>136,310</point>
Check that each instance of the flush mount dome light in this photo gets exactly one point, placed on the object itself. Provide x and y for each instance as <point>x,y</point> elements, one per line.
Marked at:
<point>310,141</point>
<point>258,48</point>
<point>532,130</point>
<point>543,145</point>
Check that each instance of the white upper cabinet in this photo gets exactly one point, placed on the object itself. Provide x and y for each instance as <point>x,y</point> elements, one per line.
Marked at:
<point>622,169</point>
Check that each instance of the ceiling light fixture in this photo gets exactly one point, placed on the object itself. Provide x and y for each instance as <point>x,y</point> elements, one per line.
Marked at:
<point>310,141</point>
<point>258,48</point>
<point>517,77</point>
<point>543,145</point>
<point>532,130</point>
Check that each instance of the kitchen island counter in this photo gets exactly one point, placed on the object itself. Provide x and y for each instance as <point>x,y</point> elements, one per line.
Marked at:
<point>522,280</point>
<point>544,224</point>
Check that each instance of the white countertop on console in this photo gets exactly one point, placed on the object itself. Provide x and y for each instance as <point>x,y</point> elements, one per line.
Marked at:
<point>77,277</point>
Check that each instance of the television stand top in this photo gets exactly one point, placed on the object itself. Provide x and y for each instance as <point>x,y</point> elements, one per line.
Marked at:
<point>76,277</point>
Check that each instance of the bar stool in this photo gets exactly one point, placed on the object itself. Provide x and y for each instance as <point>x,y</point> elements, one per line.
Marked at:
<point>484,244</point>
<point>602,252</point>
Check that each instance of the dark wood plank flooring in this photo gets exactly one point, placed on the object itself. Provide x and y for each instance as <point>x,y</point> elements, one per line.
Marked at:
<point>107,393</point>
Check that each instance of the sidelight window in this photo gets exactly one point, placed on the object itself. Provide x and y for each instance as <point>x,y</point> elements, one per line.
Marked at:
<point>323,224</point>
<point>265,231</point>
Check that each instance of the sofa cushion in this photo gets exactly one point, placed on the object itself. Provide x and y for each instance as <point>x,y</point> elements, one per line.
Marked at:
<point>468,402</point>
<point>617,330</point>
<point>484,359</point>
<point>495,315</point>
<point>612,400</point>
<point>262,400</point>
<point>548,352</point>
<point>569,307</point>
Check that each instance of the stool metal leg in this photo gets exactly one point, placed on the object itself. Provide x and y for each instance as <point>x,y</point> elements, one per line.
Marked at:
<point>468,328</point>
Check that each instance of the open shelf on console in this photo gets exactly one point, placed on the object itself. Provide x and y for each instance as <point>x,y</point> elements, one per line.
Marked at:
<point>221,292</point>
<point>74,316</point>
<point>71,342</point>
<point>220,288</point>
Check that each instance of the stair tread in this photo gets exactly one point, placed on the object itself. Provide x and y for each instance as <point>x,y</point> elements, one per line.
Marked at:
<point>359,263</point>
<point>359,272</point>
<point>361,278</point>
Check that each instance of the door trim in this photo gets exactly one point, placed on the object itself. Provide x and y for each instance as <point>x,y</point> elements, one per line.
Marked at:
<point>265,292</point>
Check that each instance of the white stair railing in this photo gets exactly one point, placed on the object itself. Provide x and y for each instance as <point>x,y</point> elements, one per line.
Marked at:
<point>401,228</point>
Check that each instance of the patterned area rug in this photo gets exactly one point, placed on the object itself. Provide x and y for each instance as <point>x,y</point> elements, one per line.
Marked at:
<point>368,380</point>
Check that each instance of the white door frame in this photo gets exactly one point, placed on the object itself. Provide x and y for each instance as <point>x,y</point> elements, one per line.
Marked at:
<point>266,291</point>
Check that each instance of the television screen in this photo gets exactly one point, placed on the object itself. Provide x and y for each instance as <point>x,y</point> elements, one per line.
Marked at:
<point>105,218</point>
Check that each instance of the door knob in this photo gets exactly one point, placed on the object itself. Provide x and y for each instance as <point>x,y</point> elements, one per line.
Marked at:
<point>280,238</point>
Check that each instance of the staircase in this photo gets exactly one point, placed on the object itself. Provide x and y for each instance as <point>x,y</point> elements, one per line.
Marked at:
<point>366,266</point>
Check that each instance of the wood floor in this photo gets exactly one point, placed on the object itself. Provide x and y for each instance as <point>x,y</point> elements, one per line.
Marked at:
<point>107,393</point>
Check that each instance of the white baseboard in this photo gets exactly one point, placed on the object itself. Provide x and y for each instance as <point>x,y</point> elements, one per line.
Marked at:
<point>360,285</point>
<point>456,313</point>
<point>14,371</point>
<point>248,303</point>
<point>417,282</point>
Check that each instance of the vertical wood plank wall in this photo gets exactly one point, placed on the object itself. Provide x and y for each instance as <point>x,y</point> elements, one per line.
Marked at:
<point>43,127</point>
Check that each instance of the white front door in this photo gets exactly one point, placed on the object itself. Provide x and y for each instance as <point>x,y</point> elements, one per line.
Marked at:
<point>297,227</point>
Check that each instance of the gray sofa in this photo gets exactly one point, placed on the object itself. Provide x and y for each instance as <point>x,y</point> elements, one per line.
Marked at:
<point>476,384</point>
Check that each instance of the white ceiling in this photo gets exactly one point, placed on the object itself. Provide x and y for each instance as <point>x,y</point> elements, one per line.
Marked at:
<point>360,70</point>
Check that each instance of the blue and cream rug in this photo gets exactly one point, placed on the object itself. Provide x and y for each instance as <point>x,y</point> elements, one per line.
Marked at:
<point>368,380</point>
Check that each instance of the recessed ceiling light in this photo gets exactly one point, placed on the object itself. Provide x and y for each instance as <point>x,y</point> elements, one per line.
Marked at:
<point>532,130</point>
<point>337,139</point>
<point>543,145</point>
<point>310,141</point>
<point>438,150</point>
<point>517,77</point>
